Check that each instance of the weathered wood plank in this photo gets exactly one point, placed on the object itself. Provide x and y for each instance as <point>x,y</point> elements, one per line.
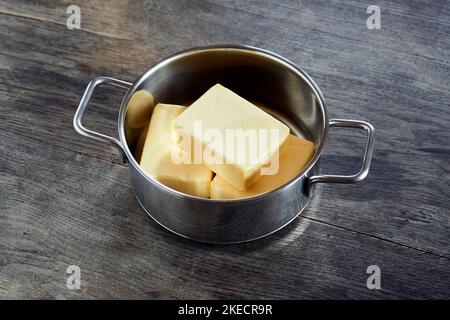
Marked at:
<point>396,77</point>
<point>410,143</point>
<point>63,208</point>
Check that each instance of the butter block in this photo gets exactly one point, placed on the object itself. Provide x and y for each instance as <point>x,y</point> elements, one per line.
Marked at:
<point>132,135</point>
<point>224,111</point>
<point>139,109</point>
<point>296,155</point>
<point>140,143</point>
<point>138,113</point>
<point>156,160</point>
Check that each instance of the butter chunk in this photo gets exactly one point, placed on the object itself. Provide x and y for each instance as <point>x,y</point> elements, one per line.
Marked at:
<point>156,160</point>
<point>222,110</point>
<point>296,155</point>
<point>139,109</point>
<point>140,143</point>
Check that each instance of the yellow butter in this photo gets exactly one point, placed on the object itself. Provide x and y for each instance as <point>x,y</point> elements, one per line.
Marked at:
<point>222,110</point>
<point>139,109</point>
<point>140,143</point>
<point>157,159</point>
<point>138,113</point>
<point>132,135</point>
<point>296,155</point>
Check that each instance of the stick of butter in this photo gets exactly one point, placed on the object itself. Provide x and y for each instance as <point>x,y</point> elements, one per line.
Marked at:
<point>297,154</point>
<point>140,143</point>
<point>224,112</point>
<point>139,110</point>
<point>157,159</point>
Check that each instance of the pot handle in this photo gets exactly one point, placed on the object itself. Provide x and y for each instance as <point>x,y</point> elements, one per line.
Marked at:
<point>364,171</point>
<point>82,107</point>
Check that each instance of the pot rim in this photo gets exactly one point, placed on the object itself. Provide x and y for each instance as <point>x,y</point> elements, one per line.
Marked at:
<point>220,47</point>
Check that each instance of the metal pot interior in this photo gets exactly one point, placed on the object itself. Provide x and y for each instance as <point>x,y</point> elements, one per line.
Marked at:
<point>266,79</point>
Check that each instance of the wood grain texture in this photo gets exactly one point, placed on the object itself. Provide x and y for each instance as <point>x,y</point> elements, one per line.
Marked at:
<point>71,220</point>
<point>65,200</point>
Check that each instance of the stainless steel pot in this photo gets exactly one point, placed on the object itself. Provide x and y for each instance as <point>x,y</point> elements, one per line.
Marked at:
<point>259,76</point>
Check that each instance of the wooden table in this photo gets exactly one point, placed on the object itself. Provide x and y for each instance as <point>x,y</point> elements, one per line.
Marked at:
<point>65,200</point>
